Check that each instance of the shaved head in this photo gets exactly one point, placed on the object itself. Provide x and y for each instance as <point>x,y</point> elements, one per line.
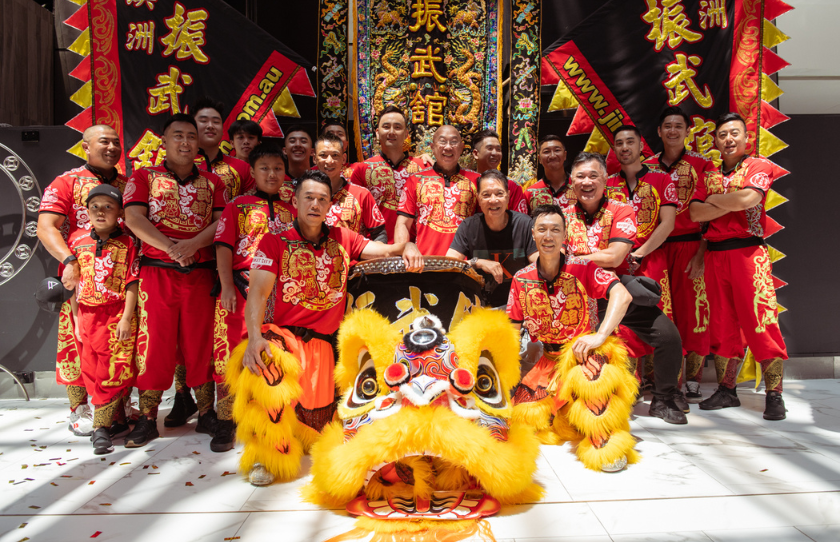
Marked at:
<point>95,129</point>
<point>444,130</point>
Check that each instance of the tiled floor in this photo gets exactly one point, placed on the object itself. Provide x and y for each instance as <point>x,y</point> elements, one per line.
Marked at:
<point>727,476</point>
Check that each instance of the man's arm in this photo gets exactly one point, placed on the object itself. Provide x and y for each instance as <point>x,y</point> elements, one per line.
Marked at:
<point>699,211</point>
<point>667,217</point>
<point>619,300</point>
<point>259,288</point>
<point>696,266</point>
<point>412,258</point>
<point>224,264</point>
<point>137,219</point>
<point>736,201</point>
<point>186,248</point>
<point>402,229</point>
<point>49,233</point>
<point>612,256</point>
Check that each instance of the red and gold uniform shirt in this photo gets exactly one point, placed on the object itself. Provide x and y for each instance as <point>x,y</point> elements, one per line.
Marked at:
<point>67,196</point>
<point>654,190</point>
<point>541,193</point>
<point>750,173</point>
<point>354,208</point>
<point>287,190</point>
<point>107,266</point>
<point>516,201</point>
<point>235,173</point>
<point>555,311</point>
<point>613,221</point>
<point>311,278</point>
<point>247,220</point>
<point>386,182</point>
<point>687,173</point>
<point>178,209</point>
<point>439,204</point>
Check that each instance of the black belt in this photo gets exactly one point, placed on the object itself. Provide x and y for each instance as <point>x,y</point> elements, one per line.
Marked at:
<point>683,238</point>
<point>307,334</point>
<point>146,261</point>
<point>732,244</point>
<point>551,347</point>
<point>241,280</point>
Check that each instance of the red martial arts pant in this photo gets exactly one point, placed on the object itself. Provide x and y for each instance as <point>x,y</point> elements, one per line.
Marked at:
<point>107,363</point>
<point>742,298</point>
<point>175,326</point>
<point>228,331</point>
<point>68,366</point>
<point>683,300</point>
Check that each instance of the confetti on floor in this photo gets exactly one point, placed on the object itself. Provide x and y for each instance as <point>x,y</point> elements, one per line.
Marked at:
<point>97,533</point>
<point>189,484</point>
<point>226,473</point>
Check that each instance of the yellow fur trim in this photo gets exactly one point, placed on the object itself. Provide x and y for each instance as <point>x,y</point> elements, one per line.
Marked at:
<point>284,466</point>
<point>535,414</point>
<point>309,493</point>
<point>307,436</point>
<point>450,477</point>
<point>246,386</point>
<point>612,381</point>
<point>364,329</point>
<point>563,429</point>
<point>549,437</point>
<point>503,469</point>
<point>533,494</point>
<point>254,424</point>
<point>621,444</point>
<point>492,331</point>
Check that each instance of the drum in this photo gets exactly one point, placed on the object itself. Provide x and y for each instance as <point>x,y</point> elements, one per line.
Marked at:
<point>447,288</point>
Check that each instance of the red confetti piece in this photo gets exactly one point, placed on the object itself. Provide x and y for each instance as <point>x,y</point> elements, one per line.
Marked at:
<point>66,476</point>
<point>226,473</point>
<point>145,467</point>
<point>104,504</point>
<point>53,484</point>
<point>61,464</point>
<point>202,476</point>
<point>22,525</point>
<point>112,463</point>
<point>35,507</point>
<point>189,484</point>
<point>196,453</point>
<point>763,470</point>
<point>155,466</point>
<point>91,482</point>
<point>232,538</point>
<point>97,533</point>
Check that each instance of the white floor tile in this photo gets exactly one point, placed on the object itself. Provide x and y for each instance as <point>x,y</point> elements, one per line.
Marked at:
<point>545,520</point>
<point>780,534</point>
<point>822,533</point>
<point>693,536</point>
<point>300,526</point>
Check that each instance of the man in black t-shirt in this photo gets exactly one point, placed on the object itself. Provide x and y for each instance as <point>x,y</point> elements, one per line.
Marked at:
<point>496,241</point>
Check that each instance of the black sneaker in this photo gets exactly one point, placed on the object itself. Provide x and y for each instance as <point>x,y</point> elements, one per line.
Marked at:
<point>144,431</point>
<point>668,410</point>
<point>723,397</point>
<point>224,437</point>
<point>774,406</point>
<point>692,392</point>
<point>101,440</point>
<point>182,408</point>
<point>207,423</point>
<point>119,430</point>
<point>679,400</point>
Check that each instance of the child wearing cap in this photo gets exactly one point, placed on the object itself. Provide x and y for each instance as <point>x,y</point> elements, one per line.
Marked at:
<point>105,302</point>
<point>244,222</point>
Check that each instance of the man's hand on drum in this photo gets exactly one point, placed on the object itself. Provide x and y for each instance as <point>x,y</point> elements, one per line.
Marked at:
<point>586,344</point>
<point>252,359</point>
<point>412,258</point>
<point>492,268</point>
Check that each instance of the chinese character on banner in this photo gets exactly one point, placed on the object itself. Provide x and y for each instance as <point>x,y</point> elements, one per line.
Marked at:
<point>145,152</point>
<point>186,35</point>
<point>418,108</point>
<point>712,14</point>
<point>668,23</point>
<point>426,13</point>
<point>681,83</point>
<point>139,3</point>
<point>424,59</point>
<point>701,136</point>
<point>141,37</point>
<point>164,96</point>
<point>435,104</point>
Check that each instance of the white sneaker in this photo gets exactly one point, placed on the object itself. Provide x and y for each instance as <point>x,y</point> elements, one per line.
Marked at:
<point>81,421</point>
<point>259,476</point>
<point>616,465</point>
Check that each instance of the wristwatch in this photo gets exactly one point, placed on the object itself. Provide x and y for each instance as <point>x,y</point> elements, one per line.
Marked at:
<point>68,259</point>
<point>472,261</point>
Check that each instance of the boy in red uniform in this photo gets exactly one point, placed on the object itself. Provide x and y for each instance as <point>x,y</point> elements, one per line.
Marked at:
<point>555,188</point>
<point>385,175</point>
<point>678,263</point>
<point>742,296</point>
<point>333,127</point>
<point>487,152</point>
<point>438,198</point>
<point>173,208</point>
<point>298,151</point>
<point>353,207</point>
<point>244,135</point>
<point>243,224</point>
<point>106,296</point>
<point>62,215</point>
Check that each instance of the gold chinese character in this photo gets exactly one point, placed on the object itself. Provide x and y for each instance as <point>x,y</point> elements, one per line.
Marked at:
<point>712,14</point>
<point>141,36</point>
<point>668,23</point>
<point>418,108</point>
<point>434,105</point>
<point>701,137</point>
<point>165,95</point>
<point>426,13</point>
<point>144,151</point>
<point>681,83</point>
<point>137,3</point>
<point>424,66</point>
<point>186,36</point>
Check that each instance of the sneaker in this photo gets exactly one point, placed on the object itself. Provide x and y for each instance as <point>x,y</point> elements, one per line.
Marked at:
<point>774,406</point>
<point>182,408</point>
<point>667,410</point>
<point>723,397</point>
<point>259,476</point>
<point>101,440</point>
<point>119,430</point>
<point>144,430</point>
<point>207,423</point>
<point>679,400</point>
<point>224,437</point>
<point>692,392</point>
<point>616,465</point>
<point>81,421</point>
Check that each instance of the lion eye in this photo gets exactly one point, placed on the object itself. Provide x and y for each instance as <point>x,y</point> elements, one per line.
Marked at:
<point>369,388</point>
<point>484,384</point>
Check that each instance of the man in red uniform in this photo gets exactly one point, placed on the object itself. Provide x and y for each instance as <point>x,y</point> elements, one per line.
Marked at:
<point>604,231</point>
<point>298,150</point>
<point>678,264</point>
<point>244,136</point>
<point>742,296</point>
<point>385,175</point>
<point>438,198</point>
<point>62,215</point>
<point>234,172</point>
<point>554,189</point>
<point>310,264</point>
<point>487,152</point>
<point>173,208</point>
<point>353,207</point>
<point>243,224</point>
<point>337,129</point>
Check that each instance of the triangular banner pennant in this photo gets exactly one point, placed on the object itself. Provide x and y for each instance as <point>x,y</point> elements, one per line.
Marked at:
<point>563,98</point>
<point>771,62</point>
<point>79,2</point>
<point>285,106</point>
<point>597,143</point>
<point>78,20</point>
<point>750,370</point>
<point>82,121</point>
<point>548,75</point>
<point>772,35</point>
<point>778,283</point>
<point>82,71</point>
<point>775,255</point>
<point>269,125</point>
<point>82,44</point>
<point>770,116</point>
<point>774,8</point>
<point>769,144</point>
<point>773,200</point>
<point>77,150</point>
<point>778,171</point>
<point>772,227</point>
<point>83,96</point>
<point>780,308</point>
<point>769,89</point>
<point>581,124</point>
<point>300,84</point>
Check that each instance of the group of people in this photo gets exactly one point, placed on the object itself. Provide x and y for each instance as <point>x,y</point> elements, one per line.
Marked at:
<point>175,266</point>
